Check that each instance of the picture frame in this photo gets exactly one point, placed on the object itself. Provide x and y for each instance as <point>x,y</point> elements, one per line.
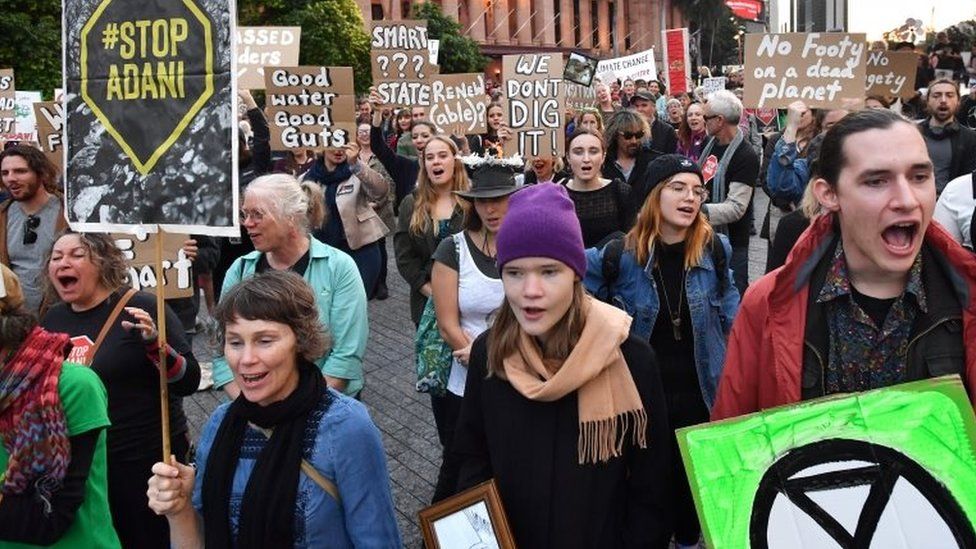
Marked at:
<point>474,518</point>
<point>580,68</point>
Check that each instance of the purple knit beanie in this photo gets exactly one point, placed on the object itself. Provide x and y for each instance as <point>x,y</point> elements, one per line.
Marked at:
<point>541,222</point>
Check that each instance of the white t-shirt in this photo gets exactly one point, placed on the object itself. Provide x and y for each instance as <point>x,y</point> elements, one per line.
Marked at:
<point>954,210</point>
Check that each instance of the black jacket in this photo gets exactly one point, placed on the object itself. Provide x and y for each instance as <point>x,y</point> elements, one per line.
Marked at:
<point>530,449</point>
<point>935,343</point>
<point>963,147</point>
<point>664,139</point>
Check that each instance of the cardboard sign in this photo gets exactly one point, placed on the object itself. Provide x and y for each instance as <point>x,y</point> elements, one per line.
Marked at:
<point>579,97</point>
<point>260,47</point>
<point>676,62</point>
<point>400,54</point>
<point>891,74</point>
<point>714,84</point>
<point>534,104</point>
<point>824,70</point>
<point>310,107</point>
<point>823,473</point>
<point>141,257</point>
<point>24,121</point>
<point>50,123</point>
<point>150,136</point>
<point>8,100</point>
<point>636,66</point>
<point>459,99</point>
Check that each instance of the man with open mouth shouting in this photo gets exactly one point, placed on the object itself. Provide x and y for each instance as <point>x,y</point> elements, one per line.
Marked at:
<point>872,295</point>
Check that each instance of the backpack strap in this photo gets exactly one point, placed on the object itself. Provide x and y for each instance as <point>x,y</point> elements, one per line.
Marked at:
<point>109,322</point>
<point>610,266</point>
<point>720,262</point>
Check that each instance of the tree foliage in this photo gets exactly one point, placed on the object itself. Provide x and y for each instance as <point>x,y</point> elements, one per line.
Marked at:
<point>31,43</point>
<point>333,31</point>
<point>717,27</point>
<point>458,53</point>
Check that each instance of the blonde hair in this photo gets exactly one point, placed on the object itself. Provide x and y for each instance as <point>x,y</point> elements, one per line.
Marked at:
<point>506,333</point>
<point>425,196</point>
<point>809,203</point>
<point>647,231</point>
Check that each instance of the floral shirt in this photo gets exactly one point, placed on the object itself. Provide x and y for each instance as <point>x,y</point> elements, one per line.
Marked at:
<point>863,355</point>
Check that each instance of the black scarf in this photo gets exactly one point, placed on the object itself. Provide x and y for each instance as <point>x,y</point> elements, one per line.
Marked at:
<point>341,173</point>
<point>267,516</point>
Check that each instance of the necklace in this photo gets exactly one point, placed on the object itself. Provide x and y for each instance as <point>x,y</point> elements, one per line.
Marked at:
<point>673,315</point>
<point>485,246</point>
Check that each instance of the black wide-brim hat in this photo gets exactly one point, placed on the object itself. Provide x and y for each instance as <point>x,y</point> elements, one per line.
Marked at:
<point>490,181</point>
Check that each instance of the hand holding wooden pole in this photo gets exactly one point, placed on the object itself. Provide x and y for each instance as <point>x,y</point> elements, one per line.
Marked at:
<point>161,328</point>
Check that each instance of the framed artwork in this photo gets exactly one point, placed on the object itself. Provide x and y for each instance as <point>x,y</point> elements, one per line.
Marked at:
<point>580,69</point>
<point>473,519</point>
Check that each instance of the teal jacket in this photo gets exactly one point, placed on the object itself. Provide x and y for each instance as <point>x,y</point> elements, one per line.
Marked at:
<point>341,298</point>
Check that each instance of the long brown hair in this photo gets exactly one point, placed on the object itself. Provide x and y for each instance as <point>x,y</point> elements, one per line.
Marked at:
<point>506,333</point>
<point>425,196</point>
<point>647,231</point>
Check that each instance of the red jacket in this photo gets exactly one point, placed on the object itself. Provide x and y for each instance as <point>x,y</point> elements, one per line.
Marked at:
<point>764,360</point>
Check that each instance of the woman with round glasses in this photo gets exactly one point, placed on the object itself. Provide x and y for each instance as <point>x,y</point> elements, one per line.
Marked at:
<point>675,281</point>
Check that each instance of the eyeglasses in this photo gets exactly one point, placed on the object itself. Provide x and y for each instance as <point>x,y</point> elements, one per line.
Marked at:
<point>255,215</point>
<point>30,229</point>
<point>701,193</point>
<point>632,135</point>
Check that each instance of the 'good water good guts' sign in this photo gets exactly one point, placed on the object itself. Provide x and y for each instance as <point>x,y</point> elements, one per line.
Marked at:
<point>310,107</point>
<point>824,70</point>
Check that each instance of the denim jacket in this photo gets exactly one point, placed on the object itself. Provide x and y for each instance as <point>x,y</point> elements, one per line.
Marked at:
<point>711,313</point>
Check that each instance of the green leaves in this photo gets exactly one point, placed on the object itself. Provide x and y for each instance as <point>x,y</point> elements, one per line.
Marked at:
<point>32,43</point>
<point>458,54</point>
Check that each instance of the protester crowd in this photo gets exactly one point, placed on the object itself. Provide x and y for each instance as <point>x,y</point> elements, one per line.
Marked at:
<point>571,312</point>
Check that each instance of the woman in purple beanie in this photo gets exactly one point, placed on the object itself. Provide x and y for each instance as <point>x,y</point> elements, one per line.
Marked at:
<point>562,407</point>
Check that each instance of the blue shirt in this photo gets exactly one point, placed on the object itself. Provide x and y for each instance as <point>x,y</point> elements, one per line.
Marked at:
<point>346,449</point>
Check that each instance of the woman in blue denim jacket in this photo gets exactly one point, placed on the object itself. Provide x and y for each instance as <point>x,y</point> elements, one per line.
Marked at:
<point>290,462</point>
<point>669,282</point>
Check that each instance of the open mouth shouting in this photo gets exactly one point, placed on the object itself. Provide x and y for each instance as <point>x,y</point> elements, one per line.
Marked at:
<point>251,381</point>
<point>900,238</point>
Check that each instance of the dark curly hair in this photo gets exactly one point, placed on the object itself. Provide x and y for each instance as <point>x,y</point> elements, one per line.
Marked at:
<point>47,173</point>
<point>277,296</point>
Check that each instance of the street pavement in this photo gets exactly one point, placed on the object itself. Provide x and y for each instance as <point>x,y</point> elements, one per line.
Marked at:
<point>403,415</point>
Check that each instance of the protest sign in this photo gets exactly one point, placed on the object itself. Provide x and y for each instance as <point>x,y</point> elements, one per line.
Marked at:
<point>534,104</point>
<point>677,66</point>
<point>50,123</point>
<point>637,66</point>
<point>712,85</point>
<point>24,122</point>
<point>579,97</point>
<point>8,99</point>
<point>149,128</point>
<point>823,473</point>
<point>459,99</point>
<point>400,55</point>
<point>891,74</point>
<point>310,107</point>
<point>140,256</point>
<point>260,47</point>
<point>824,70</point>
<point>580,69</point>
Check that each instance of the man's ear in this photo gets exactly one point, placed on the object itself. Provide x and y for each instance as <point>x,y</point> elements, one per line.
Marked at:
<point>826,194</point>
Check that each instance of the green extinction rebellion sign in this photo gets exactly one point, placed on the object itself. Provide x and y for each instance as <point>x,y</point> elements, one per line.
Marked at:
<point>894,467</point>
<point>146,71</point>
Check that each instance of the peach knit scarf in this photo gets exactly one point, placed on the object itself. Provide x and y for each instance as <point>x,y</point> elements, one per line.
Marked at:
<point>609,404</point>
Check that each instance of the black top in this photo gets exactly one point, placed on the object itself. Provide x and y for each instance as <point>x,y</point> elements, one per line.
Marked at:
<point>447,253</point>
<point>743,168</point>
<point>790,227</point>
<point>677,357</point>
<point>876,308</point>
<point>298,268</point>
<point>131,379</point>
<point>530,449</point>
<point>602,212</point>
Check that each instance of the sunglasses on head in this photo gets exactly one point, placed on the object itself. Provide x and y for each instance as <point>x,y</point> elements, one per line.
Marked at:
<point>632,135</point>
<point>30,229</point>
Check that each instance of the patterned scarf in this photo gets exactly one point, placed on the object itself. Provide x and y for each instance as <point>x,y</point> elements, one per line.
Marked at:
<point>32,421</point>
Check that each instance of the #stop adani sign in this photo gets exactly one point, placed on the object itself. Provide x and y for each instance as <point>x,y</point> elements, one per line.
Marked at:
<point>150,126</point>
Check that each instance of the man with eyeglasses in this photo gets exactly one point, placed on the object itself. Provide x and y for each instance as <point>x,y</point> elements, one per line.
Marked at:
<point>30,218</point>
<point>730,168</point>
<point>662,137</point>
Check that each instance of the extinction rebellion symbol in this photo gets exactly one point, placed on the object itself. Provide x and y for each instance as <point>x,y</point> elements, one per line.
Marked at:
<point>146,71</point>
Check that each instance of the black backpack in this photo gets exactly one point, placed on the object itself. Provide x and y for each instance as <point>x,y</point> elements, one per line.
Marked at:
<point>613,250</point>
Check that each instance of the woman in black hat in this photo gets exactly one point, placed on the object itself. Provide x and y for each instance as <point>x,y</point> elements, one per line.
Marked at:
<point>467,290</point>
<point>673,277</point>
